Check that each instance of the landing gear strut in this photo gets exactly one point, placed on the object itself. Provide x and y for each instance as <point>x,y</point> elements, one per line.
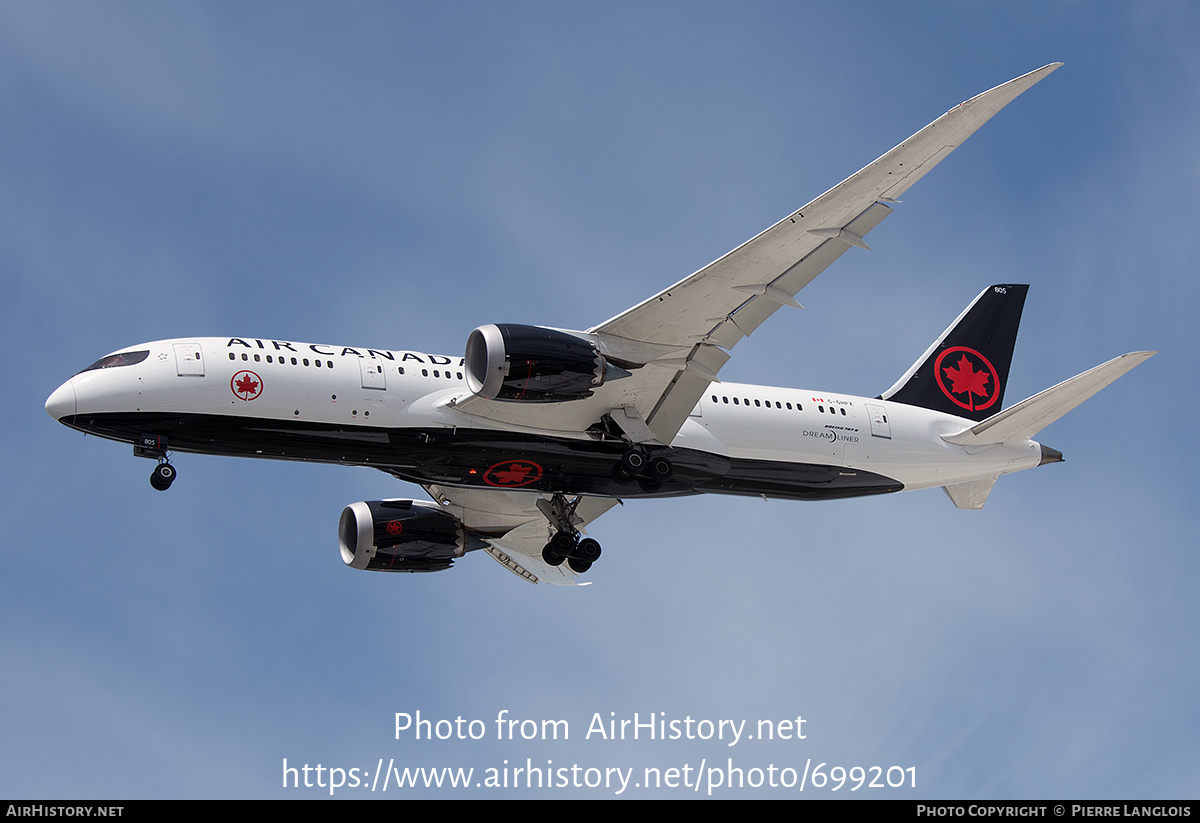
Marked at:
<point>566,543</point>
<point>155,447</point>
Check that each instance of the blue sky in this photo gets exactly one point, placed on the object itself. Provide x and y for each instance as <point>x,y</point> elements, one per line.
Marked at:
<point>394,175</point>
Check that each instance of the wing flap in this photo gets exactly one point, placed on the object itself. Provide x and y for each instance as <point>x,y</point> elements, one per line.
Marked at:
<point>750,314</point>
<point>520,551</point>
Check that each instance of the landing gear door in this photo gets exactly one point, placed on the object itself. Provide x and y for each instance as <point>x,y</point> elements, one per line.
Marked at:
<point>372,373</point>
<point>187,360</point>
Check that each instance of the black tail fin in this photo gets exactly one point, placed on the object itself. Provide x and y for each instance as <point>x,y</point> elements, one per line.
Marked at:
<point>965,371</point>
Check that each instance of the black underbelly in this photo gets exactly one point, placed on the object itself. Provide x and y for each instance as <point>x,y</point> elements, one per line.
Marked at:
<point>486,459</point>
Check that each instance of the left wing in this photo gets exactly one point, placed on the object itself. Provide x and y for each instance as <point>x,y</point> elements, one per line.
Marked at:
<point>522,527</point>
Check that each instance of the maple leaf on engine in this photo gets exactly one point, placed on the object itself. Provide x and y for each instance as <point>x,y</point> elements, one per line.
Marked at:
<point>966,380</point>
<point>247,385</point>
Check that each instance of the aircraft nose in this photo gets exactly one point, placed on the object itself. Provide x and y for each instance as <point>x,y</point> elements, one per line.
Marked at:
<point>62,403</point>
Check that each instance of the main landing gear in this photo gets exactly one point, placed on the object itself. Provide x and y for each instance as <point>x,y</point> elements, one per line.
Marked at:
<point>566,543</point>
<point>155,447</point>
<point>650,472</point>
<point>579,554</point>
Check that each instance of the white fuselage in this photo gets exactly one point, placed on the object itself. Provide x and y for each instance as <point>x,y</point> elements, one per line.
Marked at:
<point>364,394</point>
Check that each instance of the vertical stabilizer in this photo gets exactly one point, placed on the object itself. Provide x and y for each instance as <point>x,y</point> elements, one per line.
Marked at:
<point>965,371</point>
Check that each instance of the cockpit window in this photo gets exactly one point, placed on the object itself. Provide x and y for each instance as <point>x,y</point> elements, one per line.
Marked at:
<point>125,358</point>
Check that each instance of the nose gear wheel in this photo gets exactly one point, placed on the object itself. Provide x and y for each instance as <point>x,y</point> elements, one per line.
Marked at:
<point>163,476</point>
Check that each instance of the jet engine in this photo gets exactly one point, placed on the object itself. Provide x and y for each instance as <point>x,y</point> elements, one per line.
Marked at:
<point>532,364</point>
<point>402,536</point>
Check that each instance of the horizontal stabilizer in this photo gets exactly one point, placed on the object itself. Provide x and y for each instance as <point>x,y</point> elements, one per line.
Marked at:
<point>1027,418</point>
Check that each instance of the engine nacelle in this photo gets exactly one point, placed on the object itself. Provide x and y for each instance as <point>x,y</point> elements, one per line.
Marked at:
<point>532,364</point>
<point>402,536</point>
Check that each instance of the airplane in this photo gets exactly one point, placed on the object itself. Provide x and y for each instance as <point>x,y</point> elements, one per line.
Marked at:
<point>535,432</point>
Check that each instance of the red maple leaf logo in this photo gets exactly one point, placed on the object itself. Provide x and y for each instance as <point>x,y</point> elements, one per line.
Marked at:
<point>246,384</point>
<point>966,379</point>
<point>963,371</point>
<point>513,473</point>
<point>516,473</point>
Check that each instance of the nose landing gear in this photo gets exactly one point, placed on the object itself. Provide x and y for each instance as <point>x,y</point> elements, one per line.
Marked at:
<point>163,476</point>
<point>155,447</point>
